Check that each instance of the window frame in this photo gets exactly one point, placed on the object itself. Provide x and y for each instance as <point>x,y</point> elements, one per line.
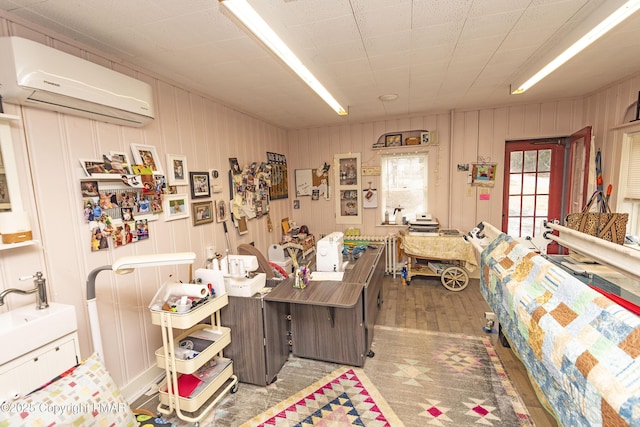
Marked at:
<point>384,180</point>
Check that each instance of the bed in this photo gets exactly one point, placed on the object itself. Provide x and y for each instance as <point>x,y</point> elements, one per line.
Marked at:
<point>580,348</point>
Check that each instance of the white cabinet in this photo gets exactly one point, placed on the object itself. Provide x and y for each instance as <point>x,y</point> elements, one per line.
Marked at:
<point>348,188</point>
<point>209,366</point>
<point>31,371</point>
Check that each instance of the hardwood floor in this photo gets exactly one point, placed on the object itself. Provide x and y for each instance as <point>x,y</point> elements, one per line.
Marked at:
<point>426,304</point>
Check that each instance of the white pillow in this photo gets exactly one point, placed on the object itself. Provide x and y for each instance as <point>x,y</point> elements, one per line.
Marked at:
<point>83,396</point>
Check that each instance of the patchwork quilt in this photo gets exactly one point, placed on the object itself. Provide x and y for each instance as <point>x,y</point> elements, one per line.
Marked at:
<point>581,349</point>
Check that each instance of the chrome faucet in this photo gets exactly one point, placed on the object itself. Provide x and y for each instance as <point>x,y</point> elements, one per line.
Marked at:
<point>40,290</point>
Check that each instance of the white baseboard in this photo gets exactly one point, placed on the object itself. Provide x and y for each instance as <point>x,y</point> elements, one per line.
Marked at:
<point>142,383</point>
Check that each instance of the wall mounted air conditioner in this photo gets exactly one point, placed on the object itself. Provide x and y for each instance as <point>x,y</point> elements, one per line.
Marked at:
<point>36,75</point>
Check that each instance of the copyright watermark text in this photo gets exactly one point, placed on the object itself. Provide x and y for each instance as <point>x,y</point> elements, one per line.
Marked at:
<point>58,409</point>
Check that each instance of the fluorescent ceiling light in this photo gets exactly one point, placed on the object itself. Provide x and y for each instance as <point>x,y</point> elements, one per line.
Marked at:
<point>254,22</point>
<point>626,10</point>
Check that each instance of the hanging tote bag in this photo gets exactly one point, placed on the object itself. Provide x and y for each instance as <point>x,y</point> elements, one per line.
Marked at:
<point>604,224</point>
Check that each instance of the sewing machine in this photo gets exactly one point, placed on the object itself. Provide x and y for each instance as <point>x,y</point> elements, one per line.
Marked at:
<point>239,279</point>
<point>329,252</point>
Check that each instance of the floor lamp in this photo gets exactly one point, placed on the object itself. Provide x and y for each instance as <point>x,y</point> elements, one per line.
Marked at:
<point>126,265</point>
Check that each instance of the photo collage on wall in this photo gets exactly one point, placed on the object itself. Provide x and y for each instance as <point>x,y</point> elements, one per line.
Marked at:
<point>116,210</point>
<point>249,191</point>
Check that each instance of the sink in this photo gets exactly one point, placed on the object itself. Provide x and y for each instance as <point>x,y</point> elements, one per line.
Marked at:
<point>25,329</point>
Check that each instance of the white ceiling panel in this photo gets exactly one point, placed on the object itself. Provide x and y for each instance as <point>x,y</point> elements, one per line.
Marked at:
<point>435,54</point>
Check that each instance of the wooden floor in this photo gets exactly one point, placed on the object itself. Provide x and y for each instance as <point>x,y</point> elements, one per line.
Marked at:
<point>426,304</point>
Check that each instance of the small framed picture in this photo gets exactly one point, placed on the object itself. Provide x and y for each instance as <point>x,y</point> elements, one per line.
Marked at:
<point>199,184</point>
<point>148,156</point>
<point>221,211</point>
<point>117,162</point>
<point>242,225</point>
<point>296,204</point>
<point>93,167</point>
<point>483,174</point>
<point>175,206</point>
<point>202,212</point>
<point>393,140</point>
<point>177,166</point>
<point>425,138</point>
<point>89,188</point>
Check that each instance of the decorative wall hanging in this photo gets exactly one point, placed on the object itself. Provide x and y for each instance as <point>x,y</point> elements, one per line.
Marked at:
<point>370,198</point>
<point>483,174</point>
<point>279,179</point>
<point>320,187</point>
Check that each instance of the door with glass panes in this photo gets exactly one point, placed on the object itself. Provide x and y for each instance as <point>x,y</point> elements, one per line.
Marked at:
<point>533,187</point>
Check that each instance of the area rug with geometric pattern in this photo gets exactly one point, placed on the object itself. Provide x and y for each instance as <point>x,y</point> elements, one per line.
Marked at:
<point>416,378</point>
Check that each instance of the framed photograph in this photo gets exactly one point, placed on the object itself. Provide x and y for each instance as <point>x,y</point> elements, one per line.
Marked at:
<point>296,204</point>
<point>148,156</point>
<point>425,138</point>
<point>177,166</point>
<point>89,188</point>
<point>242,225</point>
<point>393,140</point>
<point>202,212</point>
<point>221,211</point>
<point>118,162</point>
<point>93,167</point>
<point>175,207</point>
<point>199,184</point>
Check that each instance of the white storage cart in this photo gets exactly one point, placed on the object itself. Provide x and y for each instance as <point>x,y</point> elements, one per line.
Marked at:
<point>219,378</point>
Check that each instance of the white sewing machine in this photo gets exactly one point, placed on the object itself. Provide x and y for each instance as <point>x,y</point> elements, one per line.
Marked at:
<point>329,252</point>
<point>238,279</point>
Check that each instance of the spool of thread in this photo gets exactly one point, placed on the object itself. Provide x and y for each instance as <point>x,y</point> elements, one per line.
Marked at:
<point>241,270</point>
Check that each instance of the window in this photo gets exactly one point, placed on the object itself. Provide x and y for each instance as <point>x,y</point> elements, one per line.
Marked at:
<point>630,182</point>
<point>404,183</point>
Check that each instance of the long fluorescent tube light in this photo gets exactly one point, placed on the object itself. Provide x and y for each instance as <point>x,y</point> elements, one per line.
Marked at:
<point>254,22</point>
<point>626,10</point>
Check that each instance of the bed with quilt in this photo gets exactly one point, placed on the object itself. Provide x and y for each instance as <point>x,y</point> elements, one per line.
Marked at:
<point>581,349</point>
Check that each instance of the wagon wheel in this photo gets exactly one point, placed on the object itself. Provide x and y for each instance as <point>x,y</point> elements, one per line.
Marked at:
<point>454,278</point>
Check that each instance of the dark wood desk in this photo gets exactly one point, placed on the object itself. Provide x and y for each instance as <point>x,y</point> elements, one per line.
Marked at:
<point>333,320</point>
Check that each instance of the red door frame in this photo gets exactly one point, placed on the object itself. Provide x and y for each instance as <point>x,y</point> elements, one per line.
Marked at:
<point>555,179</point>
<point>582,134</point>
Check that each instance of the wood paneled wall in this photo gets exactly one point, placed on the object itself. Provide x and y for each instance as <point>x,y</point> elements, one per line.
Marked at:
<point>464,137</point>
